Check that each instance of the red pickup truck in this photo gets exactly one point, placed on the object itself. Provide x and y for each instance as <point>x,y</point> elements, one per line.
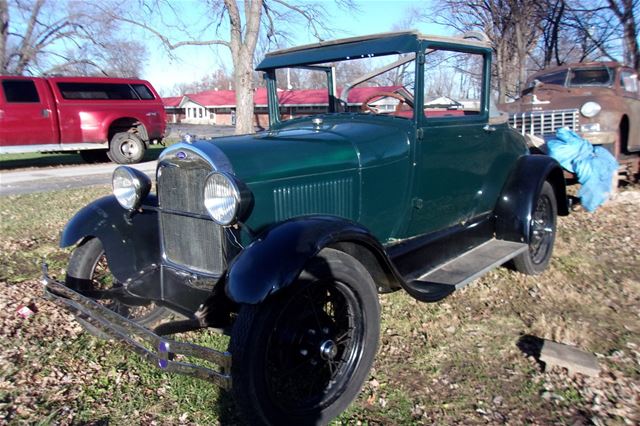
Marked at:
<point>99,117</point>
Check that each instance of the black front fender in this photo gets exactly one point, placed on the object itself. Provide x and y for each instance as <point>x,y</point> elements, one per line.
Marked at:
<point>519,195</point>
<point>130,242</point>
<point>276,258</point>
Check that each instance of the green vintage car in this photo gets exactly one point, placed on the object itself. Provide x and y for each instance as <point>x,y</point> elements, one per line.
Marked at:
<point>397,174</point>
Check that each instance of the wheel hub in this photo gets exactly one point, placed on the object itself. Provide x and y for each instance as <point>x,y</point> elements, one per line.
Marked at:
<point>328,350</point>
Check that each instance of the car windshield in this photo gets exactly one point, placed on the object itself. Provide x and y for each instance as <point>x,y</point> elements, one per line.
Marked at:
<point>601,76</point>
<point>557,77</point>
<point>369,84</point>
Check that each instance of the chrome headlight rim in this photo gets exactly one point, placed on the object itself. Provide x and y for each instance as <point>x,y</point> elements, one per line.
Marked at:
<point>236,193</point>
<point>130,197</point>
<point>590,109</point>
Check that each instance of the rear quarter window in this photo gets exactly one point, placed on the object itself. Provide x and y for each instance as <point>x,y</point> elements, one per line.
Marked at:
<point>143,91</point>
<point>20,91</point>
<point>97,91</point>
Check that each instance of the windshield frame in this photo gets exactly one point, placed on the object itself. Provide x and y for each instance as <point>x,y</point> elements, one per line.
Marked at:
<point>336,101</point>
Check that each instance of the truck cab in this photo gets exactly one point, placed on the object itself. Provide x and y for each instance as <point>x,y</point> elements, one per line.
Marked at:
<point>99,117</point>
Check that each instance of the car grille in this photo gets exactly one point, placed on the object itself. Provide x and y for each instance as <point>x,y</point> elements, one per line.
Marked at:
<point>542,123</point>
<point>189,237</point>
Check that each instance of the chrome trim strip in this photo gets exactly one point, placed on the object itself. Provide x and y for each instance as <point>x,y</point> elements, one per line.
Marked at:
<point>17,149</point>
<point>139,338</point>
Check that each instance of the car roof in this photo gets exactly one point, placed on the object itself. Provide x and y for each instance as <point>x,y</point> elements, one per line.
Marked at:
<point>574,65</point>
<point>363,46</point>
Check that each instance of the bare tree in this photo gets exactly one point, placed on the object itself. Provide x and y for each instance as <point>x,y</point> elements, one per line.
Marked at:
<point>511,27</point>
<point>594,29</point>
<point>628,14</point>
<point>244,23</point>
<point>58,37</point>
<point>219,79</point>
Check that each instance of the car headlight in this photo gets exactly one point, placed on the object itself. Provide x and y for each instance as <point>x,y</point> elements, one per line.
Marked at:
<point>590,109</point>
<point>130,186</point>
<point>224,198</point>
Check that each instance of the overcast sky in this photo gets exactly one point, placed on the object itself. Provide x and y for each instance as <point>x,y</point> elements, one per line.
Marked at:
<point>192,63</point>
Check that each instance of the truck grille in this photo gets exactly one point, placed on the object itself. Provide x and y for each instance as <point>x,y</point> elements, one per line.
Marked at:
<point>189,237</point>
<point>542,123</point>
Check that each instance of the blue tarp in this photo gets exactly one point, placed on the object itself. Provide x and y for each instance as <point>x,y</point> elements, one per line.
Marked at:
<point>593,165</point>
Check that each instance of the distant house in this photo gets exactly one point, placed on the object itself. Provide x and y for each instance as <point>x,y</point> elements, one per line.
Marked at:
<point>443,102</point>
<point>218,107</point>
<point>175,114</point>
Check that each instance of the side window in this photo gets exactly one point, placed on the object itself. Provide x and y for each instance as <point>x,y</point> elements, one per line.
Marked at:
<point>452,84</point>
<point>20,91</point>
<point>143,91</point>
<point>629,81</point>
<point>97,91</point>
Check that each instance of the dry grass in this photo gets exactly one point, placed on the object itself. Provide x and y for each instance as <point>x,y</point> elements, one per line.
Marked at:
<point>457,361</point>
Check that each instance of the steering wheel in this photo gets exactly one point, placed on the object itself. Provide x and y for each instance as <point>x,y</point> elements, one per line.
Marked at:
<point>366,108</point>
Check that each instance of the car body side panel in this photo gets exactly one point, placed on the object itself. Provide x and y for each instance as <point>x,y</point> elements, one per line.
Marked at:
<point>131,242</point>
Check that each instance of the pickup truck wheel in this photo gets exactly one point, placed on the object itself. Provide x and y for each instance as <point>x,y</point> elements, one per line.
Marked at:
<point>302,356</point>
<point>89,273</point>
<point>126,148</point>
<point>542,234</point>
<point>95,156</point>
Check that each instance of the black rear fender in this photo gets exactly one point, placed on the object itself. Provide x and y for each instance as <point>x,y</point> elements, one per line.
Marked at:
<point>521,191</point>
<point>131,242</point>
<point>277,257</point>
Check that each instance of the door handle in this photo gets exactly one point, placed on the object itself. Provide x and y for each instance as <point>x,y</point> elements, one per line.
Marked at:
<point>488,128</point>
<point>45,113</point>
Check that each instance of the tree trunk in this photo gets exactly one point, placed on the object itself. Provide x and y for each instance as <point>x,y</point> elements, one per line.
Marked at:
<point>243,77</point>
<point>4,35</point>
<point>243,47</point>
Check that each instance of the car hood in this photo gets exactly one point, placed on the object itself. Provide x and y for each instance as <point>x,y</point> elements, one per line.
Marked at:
<point>301,148</point>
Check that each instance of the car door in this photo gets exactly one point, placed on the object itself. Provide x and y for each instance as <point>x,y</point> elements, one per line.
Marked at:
<point>27,116</point>
<point>455,155</point>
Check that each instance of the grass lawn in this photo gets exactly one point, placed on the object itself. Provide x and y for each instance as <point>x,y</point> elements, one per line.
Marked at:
<point>454,362</point>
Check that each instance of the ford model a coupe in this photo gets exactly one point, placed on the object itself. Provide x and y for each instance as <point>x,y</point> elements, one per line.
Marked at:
<point>394,173</point>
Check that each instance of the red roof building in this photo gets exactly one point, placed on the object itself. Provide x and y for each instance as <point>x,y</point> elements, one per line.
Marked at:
<point>217,107</point>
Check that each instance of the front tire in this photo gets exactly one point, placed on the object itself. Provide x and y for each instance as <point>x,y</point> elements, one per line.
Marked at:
<point>126,148</point>
<point>542,234</point>
<point>302,356</point>
<point>88,272</point>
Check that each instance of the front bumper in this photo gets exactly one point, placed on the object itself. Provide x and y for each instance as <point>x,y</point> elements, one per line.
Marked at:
<point>155,349</point>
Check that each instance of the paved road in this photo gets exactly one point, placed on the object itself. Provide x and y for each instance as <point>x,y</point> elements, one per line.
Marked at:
<point>67,177</point>
<point>57,178</point>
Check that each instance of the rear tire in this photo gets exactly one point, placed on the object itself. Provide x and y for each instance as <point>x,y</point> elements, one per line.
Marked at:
<point>126,148</point>
<point>542,234</point>
<point>301,356</point>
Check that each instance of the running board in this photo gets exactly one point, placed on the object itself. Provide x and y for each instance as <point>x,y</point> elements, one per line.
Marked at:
<point>456,273</point>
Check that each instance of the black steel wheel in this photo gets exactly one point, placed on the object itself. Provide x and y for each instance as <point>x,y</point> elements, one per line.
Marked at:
<point>302,356</point>
<point>126,148</point>
<point>542,234</point>
<point>88,273</point>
